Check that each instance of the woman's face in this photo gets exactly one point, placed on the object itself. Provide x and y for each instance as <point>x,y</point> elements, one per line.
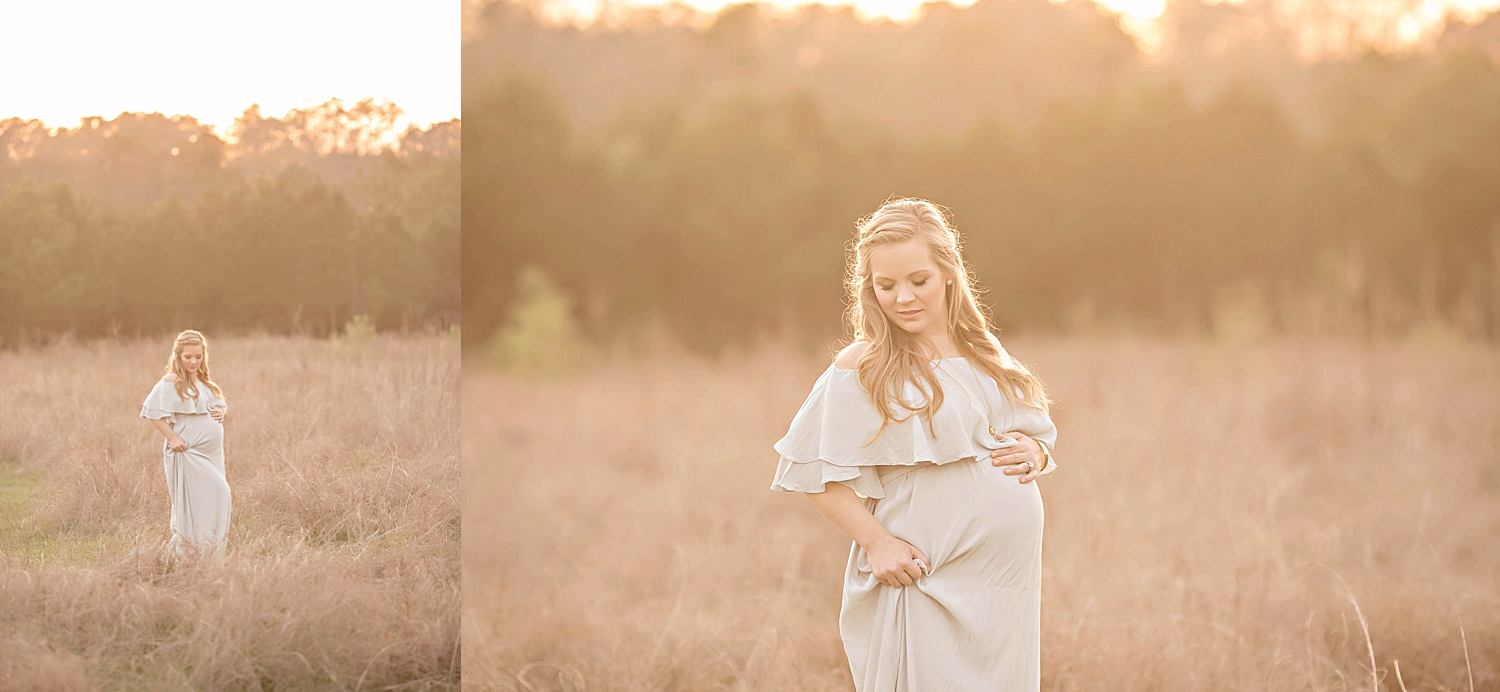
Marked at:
<point>910,287</point>
<point>191,357</point>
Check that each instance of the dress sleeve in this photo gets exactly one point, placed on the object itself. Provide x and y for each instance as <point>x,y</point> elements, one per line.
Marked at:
<point>1038,426</point>
<point>1051,460</point>
<point>812,476</point>
<point>823,445</point>
<point>162,402</point>
<point>1034,423</point>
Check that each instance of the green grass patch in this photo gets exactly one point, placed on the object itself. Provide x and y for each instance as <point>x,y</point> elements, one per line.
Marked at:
<point>17,486</point>
<point>24,535</point>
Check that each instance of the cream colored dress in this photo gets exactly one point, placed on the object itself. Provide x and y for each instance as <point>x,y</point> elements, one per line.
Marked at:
<point>196,482</point>
<point>973,622</point>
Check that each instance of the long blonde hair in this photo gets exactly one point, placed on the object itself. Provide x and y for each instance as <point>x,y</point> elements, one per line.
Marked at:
<point>894,357</point>
<point>187,385</point>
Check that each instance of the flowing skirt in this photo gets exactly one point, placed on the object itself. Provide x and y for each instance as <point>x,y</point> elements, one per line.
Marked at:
<point>973,622</point>
<point>197,486</point>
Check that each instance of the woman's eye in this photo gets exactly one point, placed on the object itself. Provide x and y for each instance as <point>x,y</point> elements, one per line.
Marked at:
<point>919,283</point>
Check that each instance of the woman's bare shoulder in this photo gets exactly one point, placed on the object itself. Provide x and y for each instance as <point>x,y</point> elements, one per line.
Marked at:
<point>169,377</point>
<point>848,359</point>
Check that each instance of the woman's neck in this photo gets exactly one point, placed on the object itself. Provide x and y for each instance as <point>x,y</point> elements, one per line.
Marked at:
<point>936,346</point>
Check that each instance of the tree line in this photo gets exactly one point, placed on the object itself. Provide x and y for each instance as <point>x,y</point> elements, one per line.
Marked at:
<point>949,65</point>
<point>143,224</point>
<point>1135,207</point>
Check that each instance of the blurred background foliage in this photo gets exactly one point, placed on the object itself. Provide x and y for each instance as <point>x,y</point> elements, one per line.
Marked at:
<point>1237,182</point>
<point>146,223</point>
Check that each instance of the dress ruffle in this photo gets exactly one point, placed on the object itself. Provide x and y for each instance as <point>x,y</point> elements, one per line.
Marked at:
<point>163,401</point>
<point>809,477</point>
<point>833,435</point>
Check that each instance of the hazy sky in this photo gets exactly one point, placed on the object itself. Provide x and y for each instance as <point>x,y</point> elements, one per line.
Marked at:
<point>67,59</point>
<point>895,9</point>
<point>1138,16</point>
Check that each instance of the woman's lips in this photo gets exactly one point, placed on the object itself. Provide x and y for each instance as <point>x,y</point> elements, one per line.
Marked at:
<point>909,314</point>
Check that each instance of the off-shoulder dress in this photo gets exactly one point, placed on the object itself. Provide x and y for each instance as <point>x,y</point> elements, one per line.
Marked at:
<point>973,622</point>
<point>196,482</point>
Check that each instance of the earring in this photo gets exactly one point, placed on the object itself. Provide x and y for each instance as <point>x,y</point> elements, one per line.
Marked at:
<point>950,282</point>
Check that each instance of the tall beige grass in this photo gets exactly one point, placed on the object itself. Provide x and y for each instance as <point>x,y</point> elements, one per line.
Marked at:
<point>1273,517</point>
<point>343,566</point>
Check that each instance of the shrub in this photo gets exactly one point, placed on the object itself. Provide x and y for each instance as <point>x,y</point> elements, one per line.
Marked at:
<point>540,334</point>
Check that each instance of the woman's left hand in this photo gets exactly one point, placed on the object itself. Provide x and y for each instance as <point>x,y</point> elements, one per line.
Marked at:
<point>1024,459</point>
<point>217,413</point>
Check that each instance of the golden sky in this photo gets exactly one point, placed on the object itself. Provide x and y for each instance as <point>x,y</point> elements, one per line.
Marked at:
<point>67,59</point>
<point>1138,17</point>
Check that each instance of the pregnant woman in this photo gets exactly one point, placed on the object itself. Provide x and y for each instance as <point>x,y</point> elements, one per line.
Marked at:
<point>188,408</point>
<point>901,446</point>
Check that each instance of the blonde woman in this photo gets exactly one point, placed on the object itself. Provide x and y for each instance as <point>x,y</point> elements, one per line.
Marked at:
<point>921,441</point>
<point>188,408</point>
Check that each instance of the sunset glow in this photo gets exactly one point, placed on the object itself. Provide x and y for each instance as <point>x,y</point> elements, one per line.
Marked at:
<point>1137,17</point>
<point>583,11</point>
<point>213,60</point>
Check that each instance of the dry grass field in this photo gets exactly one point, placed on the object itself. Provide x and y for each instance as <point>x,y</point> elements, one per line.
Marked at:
<point>1292,516</point>
<point>342,571</point>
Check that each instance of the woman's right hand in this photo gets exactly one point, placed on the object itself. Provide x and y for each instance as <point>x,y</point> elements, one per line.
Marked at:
<point>178,444</point>
<point>894,562</point>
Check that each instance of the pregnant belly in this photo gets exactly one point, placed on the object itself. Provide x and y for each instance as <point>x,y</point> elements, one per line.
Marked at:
<point>966,511</point>
<point>201,432</point>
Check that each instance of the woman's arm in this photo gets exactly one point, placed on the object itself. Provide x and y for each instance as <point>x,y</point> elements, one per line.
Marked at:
<point>161,424</point>
<point>891,559</point>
